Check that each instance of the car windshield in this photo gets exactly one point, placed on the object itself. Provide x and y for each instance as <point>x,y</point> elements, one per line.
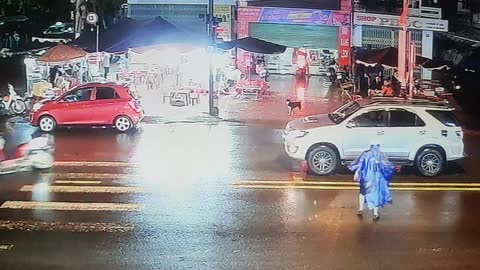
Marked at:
<point>55,29</point>
<point>344,111</point>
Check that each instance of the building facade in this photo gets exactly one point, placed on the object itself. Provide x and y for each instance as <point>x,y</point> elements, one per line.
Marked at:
<point>189,15</point>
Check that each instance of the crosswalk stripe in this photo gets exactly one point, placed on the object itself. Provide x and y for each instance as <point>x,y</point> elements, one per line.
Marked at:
<point>76,182</point>
<point>92,164</point>
<point>71,206</point>
<point>29,226</point>
<point>81,189</point>
<point>89,175</point>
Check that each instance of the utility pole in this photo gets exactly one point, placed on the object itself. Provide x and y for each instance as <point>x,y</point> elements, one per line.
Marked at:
<point>212,107</point>
<point>404,48</point>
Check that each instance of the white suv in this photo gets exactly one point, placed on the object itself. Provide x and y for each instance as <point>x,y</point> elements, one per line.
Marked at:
<point>415,132</point>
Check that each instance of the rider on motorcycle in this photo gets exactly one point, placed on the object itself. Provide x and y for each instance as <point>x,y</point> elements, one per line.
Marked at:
<point>15,132</point>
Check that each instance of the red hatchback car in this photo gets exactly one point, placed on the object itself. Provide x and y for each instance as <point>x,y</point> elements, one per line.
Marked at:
<point>93,104</point>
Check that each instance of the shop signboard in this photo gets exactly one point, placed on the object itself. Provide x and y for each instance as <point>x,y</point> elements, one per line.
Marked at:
<point>414,23</point>
<point>293,16</point>
<point>344,41</point>
<point>224,14</point>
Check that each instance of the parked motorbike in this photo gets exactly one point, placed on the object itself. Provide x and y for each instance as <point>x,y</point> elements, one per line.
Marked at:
<point>13,102</point>
<point>30,152</point>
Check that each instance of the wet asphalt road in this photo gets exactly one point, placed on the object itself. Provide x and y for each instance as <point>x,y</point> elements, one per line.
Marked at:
<point>195,196</point>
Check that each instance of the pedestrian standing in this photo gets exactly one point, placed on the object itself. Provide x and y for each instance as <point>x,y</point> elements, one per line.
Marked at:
<point>106,64</point>
<point>373,171</point>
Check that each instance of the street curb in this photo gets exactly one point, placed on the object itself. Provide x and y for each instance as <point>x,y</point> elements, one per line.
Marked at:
<point>260,122</point>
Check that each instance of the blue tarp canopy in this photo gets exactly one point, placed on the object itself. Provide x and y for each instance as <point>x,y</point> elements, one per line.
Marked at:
<point>130,33</point>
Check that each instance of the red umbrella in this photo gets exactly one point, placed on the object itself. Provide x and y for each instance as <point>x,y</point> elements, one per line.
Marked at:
<point>62,53</point>
<point>387,57</point>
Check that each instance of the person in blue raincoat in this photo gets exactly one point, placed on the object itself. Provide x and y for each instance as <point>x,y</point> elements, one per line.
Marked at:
<point>373,171</point>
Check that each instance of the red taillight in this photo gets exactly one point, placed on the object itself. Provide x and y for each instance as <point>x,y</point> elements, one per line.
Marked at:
<point>135,105</point>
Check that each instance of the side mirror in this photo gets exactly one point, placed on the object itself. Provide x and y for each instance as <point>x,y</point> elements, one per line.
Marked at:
<point>351,124</point>
<point>70,98</point>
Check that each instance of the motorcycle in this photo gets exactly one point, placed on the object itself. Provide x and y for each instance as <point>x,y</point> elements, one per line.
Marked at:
<point>28,154</point>
<point>13,102</point>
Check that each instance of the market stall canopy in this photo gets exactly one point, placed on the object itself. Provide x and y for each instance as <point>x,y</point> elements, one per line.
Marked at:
<point>255,45</point>
<point>436,64</point>
<point>387,57</point>
<point>62,53</point>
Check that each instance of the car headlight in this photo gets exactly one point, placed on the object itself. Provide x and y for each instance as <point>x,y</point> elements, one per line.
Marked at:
<point>36,107</point>
<point>297,133</point>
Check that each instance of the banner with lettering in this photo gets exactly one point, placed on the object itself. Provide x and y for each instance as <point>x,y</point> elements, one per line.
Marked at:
<point>344,40</point>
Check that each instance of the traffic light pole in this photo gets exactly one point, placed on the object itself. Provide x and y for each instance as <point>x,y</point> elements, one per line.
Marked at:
<point>212,109</point>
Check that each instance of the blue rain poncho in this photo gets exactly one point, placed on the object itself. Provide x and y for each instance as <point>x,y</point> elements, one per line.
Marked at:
<point>374,174</point>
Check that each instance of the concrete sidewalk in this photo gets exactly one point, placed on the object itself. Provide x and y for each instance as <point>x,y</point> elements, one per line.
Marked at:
<point>272,110</point>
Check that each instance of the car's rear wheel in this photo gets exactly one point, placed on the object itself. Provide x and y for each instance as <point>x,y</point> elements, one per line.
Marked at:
<point>322,160</point>
<point>123,123</point>
<point>47,123</point>
<point>430,162</point>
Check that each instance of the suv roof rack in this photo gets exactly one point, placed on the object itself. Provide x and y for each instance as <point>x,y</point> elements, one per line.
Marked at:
<point>418,102</point>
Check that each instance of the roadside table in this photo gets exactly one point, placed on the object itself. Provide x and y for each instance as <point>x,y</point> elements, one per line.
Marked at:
<point>251,87</point>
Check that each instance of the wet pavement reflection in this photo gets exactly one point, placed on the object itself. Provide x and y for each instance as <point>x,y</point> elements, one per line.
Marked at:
<point>166,197</point>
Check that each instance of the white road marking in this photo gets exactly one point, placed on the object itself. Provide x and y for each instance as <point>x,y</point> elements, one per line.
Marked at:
<point>71,206</point>
<point>10,225</point>
<point>93,164</point>
<point>5,247</point>
<point>81,189</point>
<point>86,182</point>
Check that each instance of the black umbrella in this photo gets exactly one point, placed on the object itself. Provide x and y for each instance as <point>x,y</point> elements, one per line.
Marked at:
<point>387,57</point>
<point>255,45</point>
